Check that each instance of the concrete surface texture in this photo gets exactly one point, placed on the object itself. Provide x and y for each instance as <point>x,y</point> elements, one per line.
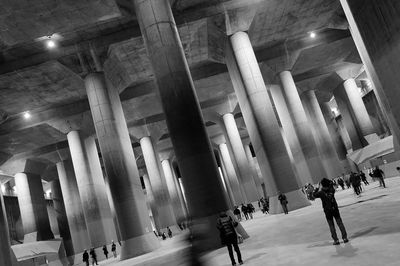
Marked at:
<point>302,237</point>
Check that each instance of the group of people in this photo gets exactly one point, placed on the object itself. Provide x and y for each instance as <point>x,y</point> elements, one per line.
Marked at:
<point>162,234</point>
<point>247,211</point>
<point>93,256</point>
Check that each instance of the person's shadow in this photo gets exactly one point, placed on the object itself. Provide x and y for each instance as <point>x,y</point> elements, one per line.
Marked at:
<point>345,251</point>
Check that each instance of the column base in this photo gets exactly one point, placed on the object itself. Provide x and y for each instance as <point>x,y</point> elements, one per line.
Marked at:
<point>296,200</point>
<point>371,138</point>
<point>139,245</point>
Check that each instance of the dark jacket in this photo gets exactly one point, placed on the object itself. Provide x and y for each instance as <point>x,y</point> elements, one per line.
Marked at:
<point>93,254</point>
<point>85,256</point>
<point>226,226</point>
<point>282,198</point>
<point>327,196</point>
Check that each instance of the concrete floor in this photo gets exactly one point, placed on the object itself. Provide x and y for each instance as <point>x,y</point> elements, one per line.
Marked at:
<point>302,237</point>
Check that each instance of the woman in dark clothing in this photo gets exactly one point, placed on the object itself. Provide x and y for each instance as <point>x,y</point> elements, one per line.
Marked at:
<point>85,257</point>
<point>226,227</point>
<point>94,256</point>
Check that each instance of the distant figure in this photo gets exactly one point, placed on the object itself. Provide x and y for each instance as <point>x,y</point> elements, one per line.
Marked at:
<point>164,236</point>
<point>155,233</point>
<point>379,174</point>
<point>309,191</point>
<point>114,249</point>
<point>105,251</point>
<point>266,205</point>
<point>169,232</point>
<point>250,210</point>
<point>363,178</point>
<point>284,202</point>
<point>85,257</point>
<point>326,193</point>
<point>237,213</point>
<point>229,237</point>
<point>355,181</point>
<point>245,211</point>
<point>340,182</point>
<point>93,256</point>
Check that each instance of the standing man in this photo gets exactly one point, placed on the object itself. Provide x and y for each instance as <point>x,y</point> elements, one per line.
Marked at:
<point>378,173</point>
<point>326,192</point>
<point>245,211</point>
<point>85,257</point>
<point>284,202</point>
<point>363,178</point>
<point>94,256</point>
<point>229,237</point>
<point>114,249</point>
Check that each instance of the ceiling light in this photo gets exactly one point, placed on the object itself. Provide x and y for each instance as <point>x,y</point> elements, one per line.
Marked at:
<point>313,35</point>
<point>50,44</point>
<point>27,115</point>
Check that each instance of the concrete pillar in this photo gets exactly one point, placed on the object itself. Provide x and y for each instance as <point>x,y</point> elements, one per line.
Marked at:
<point>73,206</point>
<point>165,216</point>
<point>320,131</point>
<point>292,141</point>
<point>33,207</point>
<point>356,138</point>
<point>262,125</point>
<point>227,186</point>
<point>5,250</point>
<point>150,197</point>
<point>120,165</point>
<point>92,189</point>
<point>184,120</point>
<point>245,174</point>
<point>253,169</point>
<point>302,126</point>
<point>358,110</point>
<point>112,207</point>
<point>375,35</point>
<point>61,215</point>
<point>173,191</point>
<point>238,195</point>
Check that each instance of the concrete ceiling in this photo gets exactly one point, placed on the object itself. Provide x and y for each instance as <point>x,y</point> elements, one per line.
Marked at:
<point>49,83</point>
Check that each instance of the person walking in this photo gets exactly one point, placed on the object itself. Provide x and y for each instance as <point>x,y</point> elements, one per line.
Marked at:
<point>363,178</point>
<point>93,255</point>
<point>245,211</point>
<point>341,182</point>
<point>237,213</point>
<point>355,181</point>
<point>85,257</point>
<point>226,226</point>
<point>250,210</point>
<point>380,175</point>
<point>105,251</point>
<point>114,249</point>
<point>169,232</point>
<point>284,202</point>
<point>326,192</point>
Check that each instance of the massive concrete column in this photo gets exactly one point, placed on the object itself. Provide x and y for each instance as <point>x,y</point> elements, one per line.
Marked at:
<point>245,175</point>
<point>358,111</point>
<point>253,169</point>
<point>33,207</point>
<point>302,126</point>
<point>356,138</point>
<point>171,181</point>
<point>264,131</point>
<point>62,220</point>
<point>294,148</point>
<point>203,187</point>
<point>376,37</point>
<point>73,206</point>
<point>5,250</point>
<point>320,131</point>
<point>120,165</point>
<point>150,196</point>
<point>92,189</point>
<point>165,216</point>
<point>238,195</point>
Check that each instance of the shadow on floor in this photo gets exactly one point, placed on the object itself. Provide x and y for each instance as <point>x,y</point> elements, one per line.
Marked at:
<point>361,201</point>
<point>363,232</point>
<point>346,250</point>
